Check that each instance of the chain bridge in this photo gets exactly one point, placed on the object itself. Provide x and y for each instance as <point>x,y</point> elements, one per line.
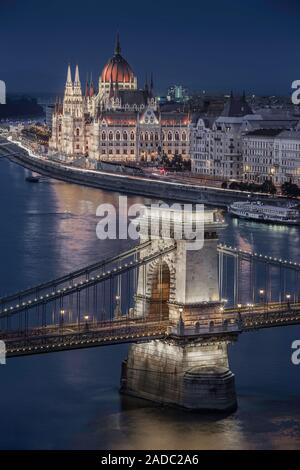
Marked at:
<point>179,308</point>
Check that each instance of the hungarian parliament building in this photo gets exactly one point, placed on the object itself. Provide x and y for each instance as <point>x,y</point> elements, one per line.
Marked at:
<point>119,122</point>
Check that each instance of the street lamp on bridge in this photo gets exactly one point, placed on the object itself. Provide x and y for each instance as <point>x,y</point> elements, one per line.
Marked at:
<point>61,318</point>
<point>86,318</point>
<point>262,296</point>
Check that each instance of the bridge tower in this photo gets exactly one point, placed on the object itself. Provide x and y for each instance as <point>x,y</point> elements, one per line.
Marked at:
<point>189,368</point>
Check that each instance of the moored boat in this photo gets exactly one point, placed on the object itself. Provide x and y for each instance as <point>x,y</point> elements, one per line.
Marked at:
<point>32,179</point>
<point>260,212</point>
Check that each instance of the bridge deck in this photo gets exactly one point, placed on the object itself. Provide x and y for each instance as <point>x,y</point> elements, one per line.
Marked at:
<point>127,330</point>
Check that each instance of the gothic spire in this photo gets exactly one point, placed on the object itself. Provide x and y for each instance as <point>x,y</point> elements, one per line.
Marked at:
<point>151,82</point>
<point>69,76</point>
<point>118,45</point>
<point>69,83</point>
<point>77,79</point>
<point>92,90</point>
<point>87,86</point>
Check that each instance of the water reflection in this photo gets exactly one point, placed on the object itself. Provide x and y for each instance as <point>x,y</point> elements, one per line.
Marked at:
<point>71,399</point>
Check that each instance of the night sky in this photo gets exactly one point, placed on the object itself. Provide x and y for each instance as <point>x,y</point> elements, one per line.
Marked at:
<point>213,45</point>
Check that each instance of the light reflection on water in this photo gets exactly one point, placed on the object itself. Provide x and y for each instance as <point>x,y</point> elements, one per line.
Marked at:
<point>71,399</point>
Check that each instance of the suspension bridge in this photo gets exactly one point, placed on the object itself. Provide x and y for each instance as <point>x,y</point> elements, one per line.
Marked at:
<point>95,305</point>
<point>179,308</point>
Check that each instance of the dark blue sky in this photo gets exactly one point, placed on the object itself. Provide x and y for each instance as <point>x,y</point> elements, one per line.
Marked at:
<point>213,45</point>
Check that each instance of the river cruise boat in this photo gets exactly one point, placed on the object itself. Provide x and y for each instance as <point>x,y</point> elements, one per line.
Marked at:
<point>260,212</point>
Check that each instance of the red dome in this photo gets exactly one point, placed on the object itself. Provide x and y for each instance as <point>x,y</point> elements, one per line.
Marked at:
<point>117,70</point>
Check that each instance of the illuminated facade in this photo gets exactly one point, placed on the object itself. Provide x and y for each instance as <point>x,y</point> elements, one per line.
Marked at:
<point>120,122</point>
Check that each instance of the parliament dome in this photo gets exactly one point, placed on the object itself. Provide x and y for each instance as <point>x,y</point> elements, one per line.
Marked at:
<point>117,68</point>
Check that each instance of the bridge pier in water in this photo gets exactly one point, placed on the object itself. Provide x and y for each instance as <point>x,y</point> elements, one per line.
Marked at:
<point>189,368</point>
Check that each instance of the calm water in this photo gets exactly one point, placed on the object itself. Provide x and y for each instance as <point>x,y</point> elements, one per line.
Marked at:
<point>71,399</point>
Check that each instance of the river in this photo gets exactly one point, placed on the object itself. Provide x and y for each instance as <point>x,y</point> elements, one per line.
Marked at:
<point>70,400</point>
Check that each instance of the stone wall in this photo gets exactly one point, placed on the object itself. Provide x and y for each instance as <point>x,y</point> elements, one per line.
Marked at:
<point>193,375</point>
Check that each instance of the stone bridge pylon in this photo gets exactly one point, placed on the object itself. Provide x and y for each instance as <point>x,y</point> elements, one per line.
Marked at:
<point>189,368</point>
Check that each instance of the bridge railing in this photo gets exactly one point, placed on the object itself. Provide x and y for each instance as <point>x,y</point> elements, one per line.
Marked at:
<point>251,277</point>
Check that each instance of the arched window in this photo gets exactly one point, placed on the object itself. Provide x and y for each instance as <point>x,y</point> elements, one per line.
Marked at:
<point>118,135</point>
<point>103,136</point>
<point>110,136</point>
<point>77,132</point>
<point>146,136</point>
<point>141,136</point>
<point>169,135</point>
<point>176,135</point>
<point>151,136</point>
<point>183,136</point>
<point>125,136</point>
<point>59,128</point>
<point>156,136</point>
<point>132,136</point>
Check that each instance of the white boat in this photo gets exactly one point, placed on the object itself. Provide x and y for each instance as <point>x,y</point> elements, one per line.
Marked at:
<point>260,212</point>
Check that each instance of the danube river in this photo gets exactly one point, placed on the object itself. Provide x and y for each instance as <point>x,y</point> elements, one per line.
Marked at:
<point>70,400</point>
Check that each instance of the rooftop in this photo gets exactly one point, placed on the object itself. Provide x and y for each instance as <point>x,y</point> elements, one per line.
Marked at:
<point>236,107</point>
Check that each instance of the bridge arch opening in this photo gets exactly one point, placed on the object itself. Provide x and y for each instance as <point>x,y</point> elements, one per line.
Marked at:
<point>160,292</point>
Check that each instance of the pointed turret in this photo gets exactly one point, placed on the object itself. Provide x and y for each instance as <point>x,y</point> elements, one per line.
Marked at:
<point>77,84</point>
<point>151,86</point>
<point>151,82</point>
<point>76,79</point>
<point>69,84</point>
<point>87,90</point>
<point>146,84</point>
<point>118,45</point>
<point>92,89</point>
<point>69,76</point>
